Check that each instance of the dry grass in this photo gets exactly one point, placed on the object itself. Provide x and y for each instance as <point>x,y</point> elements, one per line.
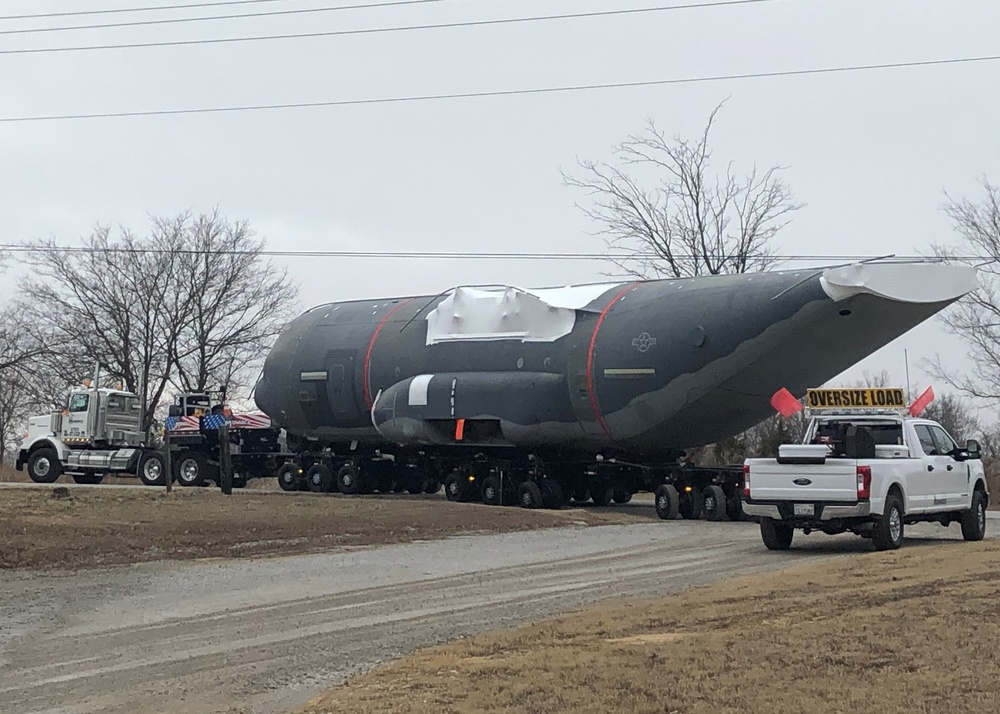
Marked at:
<point>915,631</point>
<point>98,526</point>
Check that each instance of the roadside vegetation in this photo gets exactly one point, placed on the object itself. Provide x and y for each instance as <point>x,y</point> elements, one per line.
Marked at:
<point>908,631</point>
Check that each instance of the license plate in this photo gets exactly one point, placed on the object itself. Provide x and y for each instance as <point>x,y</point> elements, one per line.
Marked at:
<point>804,509</point>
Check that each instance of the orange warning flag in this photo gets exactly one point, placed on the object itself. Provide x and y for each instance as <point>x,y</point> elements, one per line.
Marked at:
<point>785,403</point>
<point>922,401</point>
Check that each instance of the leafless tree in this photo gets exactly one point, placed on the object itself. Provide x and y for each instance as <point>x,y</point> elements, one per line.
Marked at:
<point>238,302</point>
<point>976,318</point>
<point>691,221</point>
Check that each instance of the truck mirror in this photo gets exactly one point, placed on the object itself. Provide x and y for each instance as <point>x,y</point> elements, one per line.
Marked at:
<point>175,410</point>
<point>972,447</point>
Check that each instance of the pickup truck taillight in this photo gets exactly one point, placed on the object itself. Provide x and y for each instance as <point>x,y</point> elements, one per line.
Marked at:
<point>746,480</point>
<point>864,482</point>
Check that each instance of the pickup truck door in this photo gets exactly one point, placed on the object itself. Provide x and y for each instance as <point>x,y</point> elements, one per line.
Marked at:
<point>953,486</point>
<point>935,483</point>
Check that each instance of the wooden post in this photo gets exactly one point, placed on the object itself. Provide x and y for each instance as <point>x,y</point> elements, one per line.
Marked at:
<point>168,476</point>
<point>225,462</point>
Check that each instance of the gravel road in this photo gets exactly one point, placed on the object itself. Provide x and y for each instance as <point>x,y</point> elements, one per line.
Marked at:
<point>266,635</point>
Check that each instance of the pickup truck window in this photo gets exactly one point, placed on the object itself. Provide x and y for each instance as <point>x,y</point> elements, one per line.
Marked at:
<point>927,443</point>
<point>945,443</point>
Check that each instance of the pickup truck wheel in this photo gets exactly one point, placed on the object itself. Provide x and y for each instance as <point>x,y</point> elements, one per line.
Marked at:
<point>288,477</point>
<point>776,536</point>
<point>691,505</point>
<point>714,499</point>
<point>888,533</point>
<point>319,478</point>
<point>974,520</point>
<point>44,466</point>
<point>667,502</point>
<point>88,479</point>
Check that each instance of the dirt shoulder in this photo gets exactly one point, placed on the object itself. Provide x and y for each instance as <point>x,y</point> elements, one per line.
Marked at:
<point>102,526</point>
<point>915,630</point>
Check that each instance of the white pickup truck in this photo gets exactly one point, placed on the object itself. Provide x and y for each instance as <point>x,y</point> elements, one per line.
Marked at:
<point>870,474</point>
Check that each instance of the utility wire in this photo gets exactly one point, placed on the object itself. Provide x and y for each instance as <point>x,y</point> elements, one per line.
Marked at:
<point>117,11</point>
<point>175,20</point>
<point>504,92</point>
<point>379,30</point>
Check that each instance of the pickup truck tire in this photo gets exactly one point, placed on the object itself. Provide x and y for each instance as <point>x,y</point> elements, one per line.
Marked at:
<point>44,466</point>
<point>974,520</point>
<point>888,533</point>
<point>667,502</point>
<point>776,535</point>
<point>714,499</point>
<point>691,504</point>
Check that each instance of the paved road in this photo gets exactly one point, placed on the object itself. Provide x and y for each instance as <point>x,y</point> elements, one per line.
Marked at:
<point>267,635</point>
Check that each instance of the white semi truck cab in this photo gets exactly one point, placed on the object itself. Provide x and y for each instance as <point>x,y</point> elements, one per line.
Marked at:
<point>867,469</point>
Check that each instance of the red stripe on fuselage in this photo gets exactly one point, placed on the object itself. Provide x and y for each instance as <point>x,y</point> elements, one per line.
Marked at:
<point>368,355</point>
<point>590,360</point>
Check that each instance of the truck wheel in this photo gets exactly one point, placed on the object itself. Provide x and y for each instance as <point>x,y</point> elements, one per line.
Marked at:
<point>452,486</point>
<point>888,533</point>
<point>529,495</point>
<point>433,486</point>
<point>715,503</point>
<point>88,479</point>
<point>192,469</point>
<point>552,494</point>
<point>288,477</point>
<point>416,481</point>
<point>44,466</point>
<point>492,491</point>
<point>602,495</point>
<point>734,508</point>
<point>348,479</point>
<point>974,520</point>
<point>319,479</point>
<point>622,496</point>
<point>776,536</point>
<point>691,504</point>
<point>581,495</point>
<point>152,468</point>
<point>239,480</point>
<point>667,502</point>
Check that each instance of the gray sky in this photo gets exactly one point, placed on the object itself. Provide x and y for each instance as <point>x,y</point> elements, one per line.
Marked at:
<point>870,153</point>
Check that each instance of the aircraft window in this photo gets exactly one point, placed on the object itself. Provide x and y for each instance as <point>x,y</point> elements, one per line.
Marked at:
<point>926,440</point>
<point>79,402</point>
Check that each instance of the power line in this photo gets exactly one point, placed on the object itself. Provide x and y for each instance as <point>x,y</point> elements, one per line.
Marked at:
<point>116,11</point>
<point>378,30</point>
<point>505,92</point>
<point>176,20</point>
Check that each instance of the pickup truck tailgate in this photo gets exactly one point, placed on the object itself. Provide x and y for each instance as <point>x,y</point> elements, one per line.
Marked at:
<point>834,480</point>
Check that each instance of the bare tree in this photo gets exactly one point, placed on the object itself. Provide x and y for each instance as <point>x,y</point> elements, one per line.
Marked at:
<point>691,222</point>
<point>976,318</point>
<point>238,302</point>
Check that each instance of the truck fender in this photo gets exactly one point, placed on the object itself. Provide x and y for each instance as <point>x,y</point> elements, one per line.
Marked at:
<point>981,486</point>
<point>46,443</point>
<point>898,486</point>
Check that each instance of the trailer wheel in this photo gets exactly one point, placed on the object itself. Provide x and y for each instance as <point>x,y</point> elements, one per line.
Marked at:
<point>452,486</point>
<point>88,479</point>
<point>622,496</point>
<point>667,502</point>
<point>152,469</point>
<point>44,466</point>
<point>529,495</point>
<point>714,500</point>
<point>239,480</point>
<point>192,469</point>
<point>492,491</point>
<point>581,495</point>
<point>415,481</point>
<point>433,486</point>
<point>734,508</point>
<point>319,479</point>
<point>602,494</point>
<point>288,477</point>
<point>691,504</point>
<point>348,479</point>
<point>552,494</point>
<point>776,536</point>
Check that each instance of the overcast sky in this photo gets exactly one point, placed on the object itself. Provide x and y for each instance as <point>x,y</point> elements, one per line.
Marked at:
<point>870,153</point>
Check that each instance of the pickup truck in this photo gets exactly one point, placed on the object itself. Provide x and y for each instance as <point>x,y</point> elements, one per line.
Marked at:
<point>870,474</point>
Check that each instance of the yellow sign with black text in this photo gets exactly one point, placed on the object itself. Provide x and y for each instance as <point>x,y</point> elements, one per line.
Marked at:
<point>880,398</point>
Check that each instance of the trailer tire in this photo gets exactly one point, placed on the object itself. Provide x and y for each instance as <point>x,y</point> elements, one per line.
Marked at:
<point>433,486</point>
<point>776,536</point>
<point>552,494</point>
<point>621,497</point>
<point>44,466</point>
<point>601,494</point>
<point>88,479</point>
<point>153,469</point>
<point>416,481</point>
<point>581,495</point>
<point>192,469</point>
<point>492,491</point>
<point>714,500</point>
<point>288,477</point>
<point>734,508</point>
<point>888,532</point>
<point>667,502</point>
<point>529,495</point>
<point>320,479</point>
<point>691,504</point>
<point>349,479</point>
<point>974,520</point>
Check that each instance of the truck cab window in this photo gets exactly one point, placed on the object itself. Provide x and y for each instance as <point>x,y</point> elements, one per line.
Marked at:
<point>927,444</point>
<point>79,402</point>
<point>945,444</point>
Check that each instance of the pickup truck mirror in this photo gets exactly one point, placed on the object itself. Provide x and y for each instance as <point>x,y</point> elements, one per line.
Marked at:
<point>972,448</point>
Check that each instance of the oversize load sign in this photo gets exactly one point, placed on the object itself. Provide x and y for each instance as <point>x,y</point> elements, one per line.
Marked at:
<point>855,398</point>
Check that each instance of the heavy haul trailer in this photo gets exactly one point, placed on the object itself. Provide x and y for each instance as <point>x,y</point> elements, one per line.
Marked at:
<point>586,389</point>
<point>100,433</point>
